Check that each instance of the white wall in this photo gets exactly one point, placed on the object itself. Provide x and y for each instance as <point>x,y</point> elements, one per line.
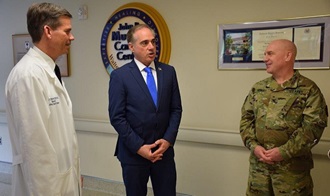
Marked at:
<point>209,154</point>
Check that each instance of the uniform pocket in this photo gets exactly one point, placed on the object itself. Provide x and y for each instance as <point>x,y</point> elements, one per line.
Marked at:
<point>277,112</point>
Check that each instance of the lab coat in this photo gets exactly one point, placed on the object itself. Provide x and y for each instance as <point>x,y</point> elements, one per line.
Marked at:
<point>41,129</point>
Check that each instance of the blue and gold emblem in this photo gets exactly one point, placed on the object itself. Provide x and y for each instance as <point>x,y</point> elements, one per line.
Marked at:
<point>114,48</point>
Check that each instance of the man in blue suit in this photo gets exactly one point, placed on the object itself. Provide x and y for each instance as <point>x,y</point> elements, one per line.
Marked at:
<point>147,124</point>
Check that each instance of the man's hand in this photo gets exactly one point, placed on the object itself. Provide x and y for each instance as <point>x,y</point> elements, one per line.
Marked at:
<point>274,154</point>
<point>260,153</point>
<point>268,156</point>
<point>162,147</point>
<point>145,151</point>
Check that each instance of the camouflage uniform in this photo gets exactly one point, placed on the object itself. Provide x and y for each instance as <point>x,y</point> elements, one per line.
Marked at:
<point>291,116</point>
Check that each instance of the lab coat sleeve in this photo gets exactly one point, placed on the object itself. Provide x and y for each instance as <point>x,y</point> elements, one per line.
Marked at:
<point>30,108</point>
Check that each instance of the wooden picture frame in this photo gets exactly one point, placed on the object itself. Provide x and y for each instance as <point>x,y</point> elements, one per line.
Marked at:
<point>23,42</point>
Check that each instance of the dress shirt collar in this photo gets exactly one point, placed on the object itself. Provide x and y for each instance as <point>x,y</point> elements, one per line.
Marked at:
<point>141,66</point>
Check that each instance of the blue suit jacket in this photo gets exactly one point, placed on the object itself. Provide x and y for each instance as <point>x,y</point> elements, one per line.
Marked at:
<point>134,115</point>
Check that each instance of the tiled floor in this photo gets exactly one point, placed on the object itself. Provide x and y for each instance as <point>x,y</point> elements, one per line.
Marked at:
<point>5,179</point>
<point>87,192</point>
<point>5,189</point>
<point>92,186</point>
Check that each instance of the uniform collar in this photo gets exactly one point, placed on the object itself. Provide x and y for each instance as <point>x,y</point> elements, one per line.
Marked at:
<point>291,83</point>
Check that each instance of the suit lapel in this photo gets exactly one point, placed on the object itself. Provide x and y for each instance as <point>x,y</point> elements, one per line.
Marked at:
<point>160,76</point>
<point>139,79</point>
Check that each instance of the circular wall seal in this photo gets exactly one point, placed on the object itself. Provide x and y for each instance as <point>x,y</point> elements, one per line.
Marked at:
<point>114,48</point>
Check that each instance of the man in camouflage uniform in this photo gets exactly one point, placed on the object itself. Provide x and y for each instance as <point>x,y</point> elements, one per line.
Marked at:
<point>283,117</point>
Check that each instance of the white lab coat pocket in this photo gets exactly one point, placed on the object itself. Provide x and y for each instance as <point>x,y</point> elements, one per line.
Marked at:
<point>67,183</point>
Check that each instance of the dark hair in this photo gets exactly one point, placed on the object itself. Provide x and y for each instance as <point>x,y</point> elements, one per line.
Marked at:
<point>130,33</point>
<point>42,14</point>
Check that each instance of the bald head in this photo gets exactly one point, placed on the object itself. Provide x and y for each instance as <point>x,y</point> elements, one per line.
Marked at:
<point>286,46</point>
<point>279,59</point>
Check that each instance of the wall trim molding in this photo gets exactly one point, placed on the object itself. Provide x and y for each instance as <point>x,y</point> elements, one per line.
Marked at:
<point>187,134</point>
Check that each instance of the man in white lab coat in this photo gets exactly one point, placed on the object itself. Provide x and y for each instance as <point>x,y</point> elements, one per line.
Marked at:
<point>39,111</point>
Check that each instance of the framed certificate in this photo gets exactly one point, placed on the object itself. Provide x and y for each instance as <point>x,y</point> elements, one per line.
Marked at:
<point>23,42</point>
<point>242,46</point>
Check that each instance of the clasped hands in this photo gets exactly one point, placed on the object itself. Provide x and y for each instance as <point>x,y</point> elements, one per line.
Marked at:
<point>146,150</point>
<point>270,156</point>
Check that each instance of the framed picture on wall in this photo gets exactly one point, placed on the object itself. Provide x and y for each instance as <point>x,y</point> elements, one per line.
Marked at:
<point>242,46</point>
<point>23,42</point>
